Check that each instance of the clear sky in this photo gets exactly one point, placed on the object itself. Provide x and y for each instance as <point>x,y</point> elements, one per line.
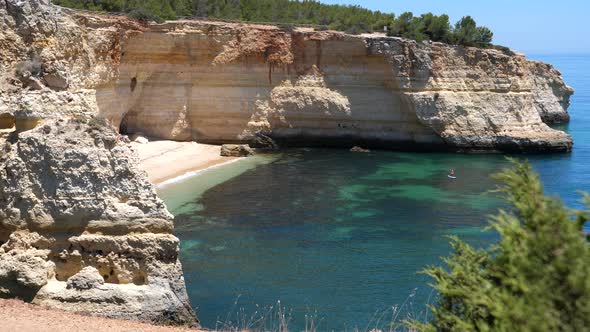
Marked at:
<point>529,26</point>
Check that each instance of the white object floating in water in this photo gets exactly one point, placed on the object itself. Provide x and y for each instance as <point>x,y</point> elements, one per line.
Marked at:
<point>451,177</point>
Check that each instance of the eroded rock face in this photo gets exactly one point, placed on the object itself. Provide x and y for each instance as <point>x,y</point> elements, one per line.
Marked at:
<point>551,95</point>
<point>212,82</point>
<point>88,180</point>
<point>87,278</point>
<point>82,228</point>
<point>478,99</point>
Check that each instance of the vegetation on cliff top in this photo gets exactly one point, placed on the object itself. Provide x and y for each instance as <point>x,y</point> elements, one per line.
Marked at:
<point>351,19</point>
<point>537,278</point>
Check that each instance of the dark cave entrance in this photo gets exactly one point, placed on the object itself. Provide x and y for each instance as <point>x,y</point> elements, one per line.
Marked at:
<point>124,127</point>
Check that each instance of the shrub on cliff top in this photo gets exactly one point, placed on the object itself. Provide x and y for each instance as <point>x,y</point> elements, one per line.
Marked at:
<point>468,33</point>
<point>144,15</point>
<point>437,28</point>
<point>537,278</point>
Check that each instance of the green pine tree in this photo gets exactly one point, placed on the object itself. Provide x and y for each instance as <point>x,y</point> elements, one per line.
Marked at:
<point>537,278</point>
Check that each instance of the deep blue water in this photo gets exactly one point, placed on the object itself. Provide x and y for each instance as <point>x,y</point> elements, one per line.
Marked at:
<point>341,236</point>
<point>563,174</point>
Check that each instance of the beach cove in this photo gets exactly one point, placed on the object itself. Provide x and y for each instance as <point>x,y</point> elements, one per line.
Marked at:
<point>340,236</point>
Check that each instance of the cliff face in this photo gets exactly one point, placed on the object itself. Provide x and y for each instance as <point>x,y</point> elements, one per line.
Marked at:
<point>81,227</point>
<point>217,83</point>
<point>221,82</point>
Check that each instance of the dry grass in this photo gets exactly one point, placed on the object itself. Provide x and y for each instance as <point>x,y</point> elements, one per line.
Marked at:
<point>277,318</point>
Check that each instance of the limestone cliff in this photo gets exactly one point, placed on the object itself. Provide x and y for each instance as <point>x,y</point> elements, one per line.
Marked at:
<point>221,82</point>
<point>81,227</point>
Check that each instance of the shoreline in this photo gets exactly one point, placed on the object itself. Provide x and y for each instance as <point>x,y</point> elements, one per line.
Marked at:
<point>168,162</point>
<point>194,172</point>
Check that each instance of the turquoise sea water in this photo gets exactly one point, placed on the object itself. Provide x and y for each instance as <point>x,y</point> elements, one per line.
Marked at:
<point>341,236</point>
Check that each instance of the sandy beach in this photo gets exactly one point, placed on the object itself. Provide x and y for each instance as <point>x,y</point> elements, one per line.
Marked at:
<point>165,160</point>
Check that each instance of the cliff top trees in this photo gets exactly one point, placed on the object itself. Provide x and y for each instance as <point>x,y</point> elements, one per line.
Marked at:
<point>408,26</point>
<point>468,33</point>
<point>352,19</point>
<point>537,278</point>
<point>437,28</point>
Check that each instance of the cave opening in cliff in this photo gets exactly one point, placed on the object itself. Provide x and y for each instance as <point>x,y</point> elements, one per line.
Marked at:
<point>133,84</point>
<point>123,127</point>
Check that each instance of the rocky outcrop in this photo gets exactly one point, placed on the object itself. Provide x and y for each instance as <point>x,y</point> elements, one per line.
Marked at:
<point>358,149</point>
<point>81,227</point>
<point>480,99</point>
<point>550,94</point>
<point>236,150</point>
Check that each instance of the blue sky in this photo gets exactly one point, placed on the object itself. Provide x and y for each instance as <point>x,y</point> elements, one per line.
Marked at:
<point>533,27</point>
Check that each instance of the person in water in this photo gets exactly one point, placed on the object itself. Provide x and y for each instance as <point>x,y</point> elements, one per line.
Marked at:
<point>452,172</point>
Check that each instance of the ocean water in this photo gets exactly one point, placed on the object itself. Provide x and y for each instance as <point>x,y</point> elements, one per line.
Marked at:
<point>339,237</point>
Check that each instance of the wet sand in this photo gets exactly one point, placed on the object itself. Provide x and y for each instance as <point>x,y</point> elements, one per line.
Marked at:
<point>166,160</point>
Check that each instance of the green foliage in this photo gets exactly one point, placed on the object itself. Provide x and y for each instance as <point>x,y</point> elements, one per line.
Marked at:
<point>97,123</point>
<point>537,278</point>
<point>484,36</point>
<point>436,28</point>
<point>352,19</point>
<point>144,15</point>
<point>408,26</point>
<point>468,33</point>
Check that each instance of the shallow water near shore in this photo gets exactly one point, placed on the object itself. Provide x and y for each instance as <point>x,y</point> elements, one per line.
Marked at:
<point>340,236</point>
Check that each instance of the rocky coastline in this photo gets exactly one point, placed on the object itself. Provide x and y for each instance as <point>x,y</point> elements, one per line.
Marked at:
<point>81,226</point>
